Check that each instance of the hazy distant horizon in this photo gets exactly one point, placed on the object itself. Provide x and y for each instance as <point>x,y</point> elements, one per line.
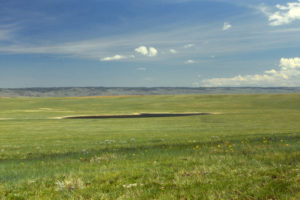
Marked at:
<point>200,87</point>
<point>115,91</point>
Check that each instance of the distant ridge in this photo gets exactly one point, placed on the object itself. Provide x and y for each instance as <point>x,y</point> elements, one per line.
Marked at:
<point>114,91</point>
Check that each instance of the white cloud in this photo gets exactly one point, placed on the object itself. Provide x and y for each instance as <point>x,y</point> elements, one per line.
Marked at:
<point>151,51</point>
<point>287,75</point>
<point>289,63</point>
<point>115,57</point>
<point>141,69</point>
<point>285,14</point>
<point>189,45</point>
<point>272,71</point>
<point>173,51</point>
<point>226,26</point>
<point>190,62</point>
<point>142,50</point>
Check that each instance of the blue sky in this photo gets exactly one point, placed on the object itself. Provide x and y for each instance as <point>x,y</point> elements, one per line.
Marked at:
<point>137,43</point>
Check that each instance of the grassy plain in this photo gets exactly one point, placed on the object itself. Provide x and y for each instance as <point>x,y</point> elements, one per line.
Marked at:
<point>250,150</point>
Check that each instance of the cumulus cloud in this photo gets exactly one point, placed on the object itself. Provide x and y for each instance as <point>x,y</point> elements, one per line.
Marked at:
<point>151,51</point>
<point>288,74</point>
<point>272,71</point>
<point>289,63</point>
<point>190,61</point>
<point>142,50</point>
<point>284,14</point>
<point>189,45</point>
<point>226,26</point>
<point>173,51</point>
<point>116,57</point>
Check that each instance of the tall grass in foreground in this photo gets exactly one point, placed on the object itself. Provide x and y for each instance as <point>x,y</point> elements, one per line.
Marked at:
<point>250,150</point>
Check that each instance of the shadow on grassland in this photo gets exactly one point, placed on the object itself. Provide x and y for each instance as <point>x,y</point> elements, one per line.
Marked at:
<point>114,148</point>
<point>138,115</point>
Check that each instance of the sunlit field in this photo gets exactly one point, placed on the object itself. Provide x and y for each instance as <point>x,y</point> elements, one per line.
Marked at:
<point>249,148</point>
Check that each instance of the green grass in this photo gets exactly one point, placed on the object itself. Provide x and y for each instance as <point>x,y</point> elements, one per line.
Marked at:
<point>250,150</point>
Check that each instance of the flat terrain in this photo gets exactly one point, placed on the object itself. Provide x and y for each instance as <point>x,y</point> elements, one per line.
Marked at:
<point>112,91</point>
<point>249,150</point>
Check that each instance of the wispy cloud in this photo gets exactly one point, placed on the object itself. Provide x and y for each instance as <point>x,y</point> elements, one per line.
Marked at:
<point>208,40</point>
<point>284,14</point>
<point>7,31</point>
<point>5,34</point>
<point>226,26</point>
<point>148,79</point>
<point>288,74</point>
<point>141,69</point>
